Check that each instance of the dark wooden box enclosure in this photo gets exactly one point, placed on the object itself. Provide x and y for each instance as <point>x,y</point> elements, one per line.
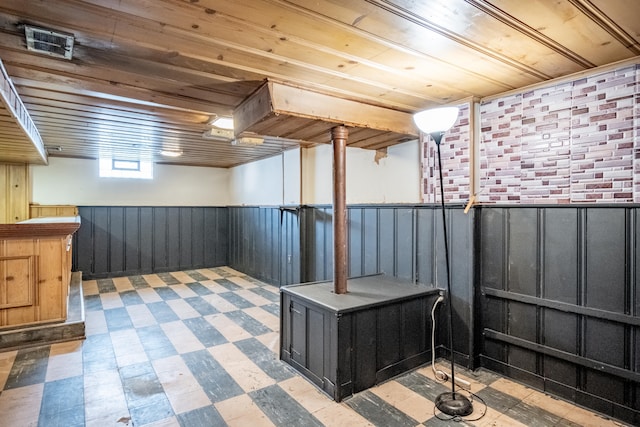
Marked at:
<point>347,343</point>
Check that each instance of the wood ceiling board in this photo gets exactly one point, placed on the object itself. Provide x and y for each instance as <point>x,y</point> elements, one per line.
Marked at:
<point>296,128</point>
<point>144,76</point>
<point>42,114</point>
<point>360,54</point>
<point>221,159</point>
<point>281,126</point>
<point>431,30</point>
<point>165,36</point>
<point>315,131</point>
<point>368,138</point>
<point>283,46</point>
<point>620,17</point>
<point>177,69</point>
<point>78,104</point>
<point>110,124</point>
<point>321,134</point>
<point>585,28</point>
<point>102,89</point>
<point>158,35</point>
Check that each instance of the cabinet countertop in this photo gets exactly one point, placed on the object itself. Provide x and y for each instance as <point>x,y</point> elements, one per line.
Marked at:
<point>41,227</point>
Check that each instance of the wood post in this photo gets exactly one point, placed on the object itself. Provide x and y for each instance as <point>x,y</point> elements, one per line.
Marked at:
<point>339,136</point>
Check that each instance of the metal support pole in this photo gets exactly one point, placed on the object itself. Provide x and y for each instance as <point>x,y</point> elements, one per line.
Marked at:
<point>339,136</point>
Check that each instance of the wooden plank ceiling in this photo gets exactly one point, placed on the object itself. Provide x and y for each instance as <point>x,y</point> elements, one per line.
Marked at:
<point>148,75</point>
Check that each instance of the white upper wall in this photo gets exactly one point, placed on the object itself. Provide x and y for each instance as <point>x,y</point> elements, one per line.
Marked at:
<point>394,178</point>
<point>76,182</point>
<point>269,182</point>
<point>305,176</point>
<point>299,176</point>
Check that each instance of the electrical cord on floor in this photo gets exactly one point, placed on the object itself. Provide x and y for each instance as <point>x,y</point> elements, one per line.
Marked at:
<point>457,418</point>
<point>443,377</point>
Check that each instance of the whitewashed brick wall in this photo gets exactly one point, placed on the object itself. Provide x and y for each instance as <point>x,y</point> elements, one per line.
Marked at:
<point>574,142</point>
<point>455,153</point>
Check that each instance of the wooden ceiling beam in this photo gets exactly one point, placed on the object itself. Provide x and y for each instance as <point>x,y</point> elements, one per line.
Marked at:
<point>276,99</point>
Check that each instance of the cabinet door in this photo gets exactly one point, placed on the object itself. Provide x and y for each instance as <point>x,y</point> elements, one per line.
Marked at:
<point>299,333</point>
<point>52,278</point>
<point>307,341</point>
<point>17,289</point>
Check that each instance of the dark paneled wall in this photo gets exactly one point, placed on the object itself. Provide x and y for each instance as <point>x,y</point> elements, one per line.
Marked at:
<point>265,243</point>
<point>116,241</point>
<point>404,242</point>
<point>559,302</point>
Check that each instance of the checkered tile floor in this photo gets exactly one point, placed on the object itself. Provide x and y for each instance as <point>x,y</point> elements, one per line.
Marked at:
<point>200,348</point>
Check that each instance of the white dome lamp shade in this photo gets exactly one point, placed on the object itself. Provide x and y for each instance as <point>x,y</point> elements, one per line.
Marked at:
<point>436,121</point>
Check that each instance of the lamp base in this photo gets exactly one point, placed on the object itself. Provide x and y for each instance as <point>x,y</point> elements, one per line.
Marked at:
<point>454,404</point>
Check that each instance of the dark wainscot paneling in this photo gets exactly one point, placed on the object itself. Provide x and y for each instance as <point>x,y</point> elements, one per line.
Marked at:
<point>264,242</point>
<point>116,241</point>
<point>559,302</point>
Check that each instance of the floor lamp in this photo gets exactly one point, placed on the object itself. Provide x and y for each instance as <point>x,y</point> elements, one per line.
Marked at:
<point>436,122</point>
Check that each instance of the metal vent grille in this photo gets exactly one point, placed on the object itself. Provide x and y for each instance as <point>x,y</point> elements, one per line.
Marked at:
<point>53,43</point>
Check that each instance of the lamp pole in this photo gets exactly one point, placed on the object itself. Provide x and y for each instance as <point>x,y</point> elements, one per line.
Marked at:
<point>436,122</point>
<point>453,403</point>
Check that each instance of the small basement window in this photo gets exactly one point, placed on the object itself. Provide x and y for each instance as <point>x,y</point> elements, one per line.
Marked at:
<point>125,168</point>
<point>125,165</point>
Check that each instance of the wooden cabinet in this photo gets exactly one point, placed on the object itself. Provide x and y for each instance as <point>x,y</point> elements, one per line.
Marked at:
<point>17,289</point>
<point>35,270</point>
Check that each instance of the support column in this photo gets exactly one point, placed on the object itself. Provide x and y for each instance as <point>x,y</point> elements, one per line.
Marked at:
<point>339,136</point>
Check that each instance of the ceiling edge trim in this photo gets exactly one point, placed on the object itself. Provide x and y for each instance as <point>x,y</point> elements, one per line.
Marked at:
<point>10,98</point>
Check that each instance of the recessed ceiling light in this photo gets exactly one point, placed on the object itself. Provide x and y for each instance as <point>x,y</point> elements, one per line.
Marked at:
<point>223,123</point>
<point>168,153</point>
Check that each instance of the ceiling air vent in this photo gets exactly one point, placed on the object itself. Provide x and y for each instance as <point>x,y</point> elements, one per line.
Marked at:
<point>49,42</point>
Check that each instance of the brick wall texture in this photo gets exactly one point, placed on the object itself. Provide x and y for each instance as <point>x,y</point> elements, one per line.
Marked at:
<point>455,153</point>
<point>574,142</point>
